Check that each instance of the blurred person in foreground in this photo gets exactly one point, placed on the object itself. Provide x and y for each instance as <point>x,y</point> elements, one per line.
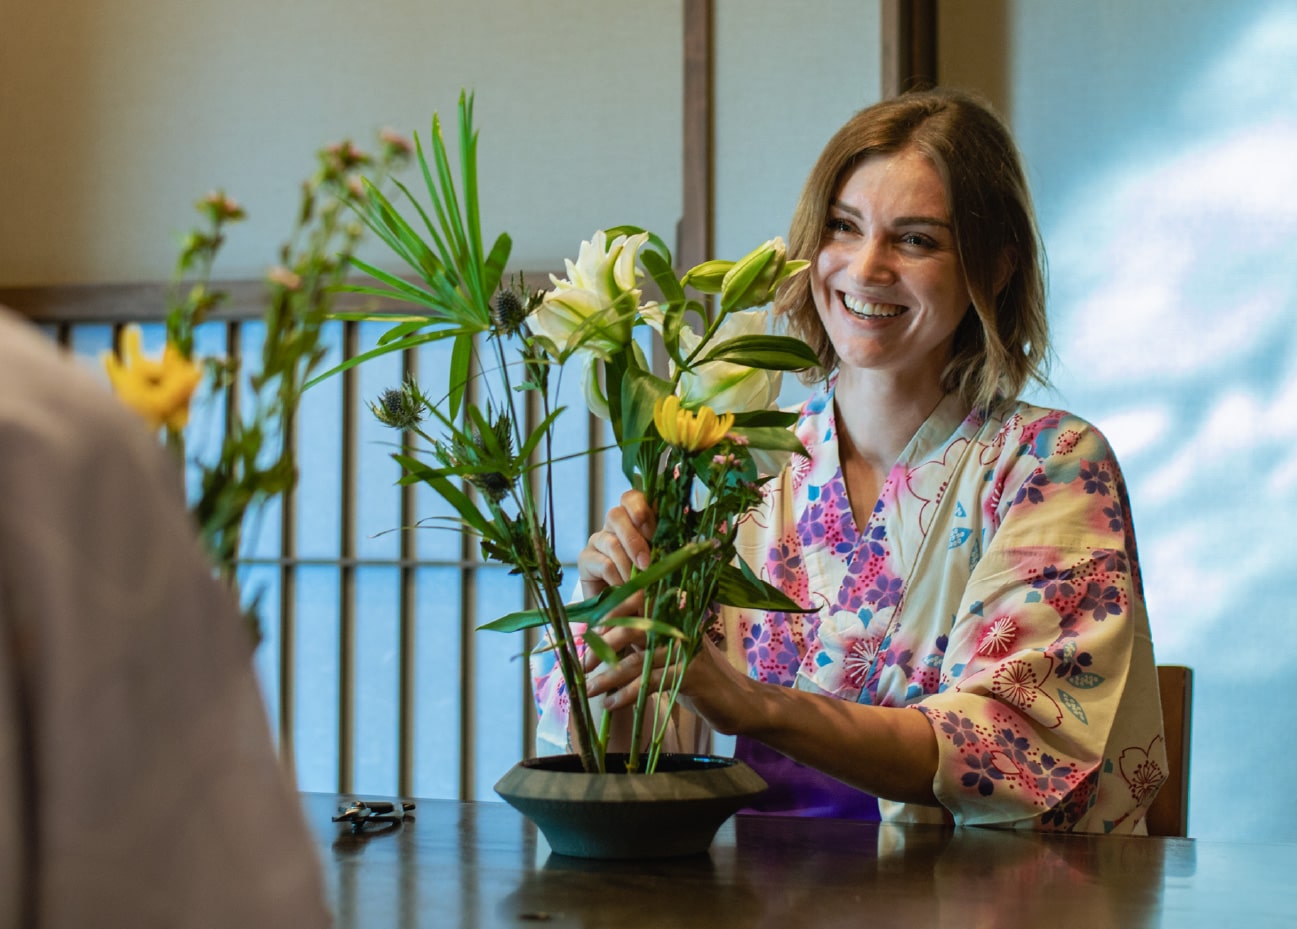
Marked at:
<point>139,786</point>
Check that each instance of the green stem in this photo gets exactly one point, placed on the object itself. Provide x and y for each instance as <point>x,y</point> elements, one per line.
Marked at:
<point>605,728</point>
<point>702,343</point>
<point>662,710</point>
<point>641,704</point>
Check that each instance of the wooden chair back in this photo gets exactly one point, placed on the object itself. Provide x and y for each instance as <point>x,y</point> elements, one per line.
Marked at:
<point>1169,814</point>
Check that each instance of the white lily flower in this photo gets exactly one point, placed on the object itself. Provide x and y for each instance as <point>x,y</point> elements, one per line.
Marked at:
<point>594,308</point>
<point>592,385</point>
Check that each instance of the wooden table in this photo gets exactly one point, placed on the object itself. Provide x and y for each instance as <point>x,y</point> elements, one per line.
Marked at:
<point>482,865</point>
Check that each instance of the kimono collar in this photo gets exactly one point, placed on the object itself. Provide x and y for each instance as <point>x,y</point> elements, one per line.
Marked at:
<point>950,416</point>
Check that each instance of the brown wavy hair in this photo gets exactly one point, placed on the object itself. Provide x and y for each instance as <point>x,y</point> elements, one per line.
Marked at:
<point>1003,341</point>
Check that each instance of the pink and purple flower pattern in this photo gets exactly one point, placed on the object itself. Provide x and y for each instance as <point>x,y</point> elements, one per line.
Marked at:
<point>995,588</point>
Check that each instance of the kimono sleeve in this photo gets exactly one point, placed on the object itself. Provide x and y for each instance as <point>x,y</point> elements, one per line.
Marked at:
<point>1042,701</point>
<point>552,710</point>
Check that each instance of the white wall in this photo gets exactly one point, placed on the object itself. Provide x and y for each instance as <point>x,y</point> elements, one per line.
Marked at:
<point>117,115</point>
<point>1161,141</point>
<point>787,76</point>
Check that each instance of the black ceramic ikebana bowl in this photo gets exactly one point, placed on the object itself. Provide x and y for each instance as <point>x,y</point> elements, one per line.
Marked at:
<point>672,812</point>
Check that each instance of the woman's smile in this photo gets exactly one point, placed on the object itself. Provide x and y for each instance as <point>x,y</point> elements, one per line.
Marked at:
<point>870,310</point>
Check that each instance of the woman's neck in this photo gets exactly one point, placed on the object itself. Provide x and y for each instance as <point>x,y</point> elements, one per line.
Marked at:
<point>877,416</point>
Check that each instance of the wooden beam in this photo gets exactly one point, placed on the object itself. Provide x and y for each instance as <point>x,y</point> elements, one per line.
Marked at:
<point>148,301</point>
<point>909,38</point>
<point>694,237</point>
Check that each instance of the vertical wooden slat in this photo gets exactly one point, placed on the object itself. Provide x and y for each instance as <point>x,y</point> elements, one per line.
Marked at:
<point>288,574</point>
<point>408,593</point>
<point>596,505</point>
<point>467,667</point>
<point>909,53</point>
<point>694,243</point>
<point>468,556</point>
<point>347,569</point>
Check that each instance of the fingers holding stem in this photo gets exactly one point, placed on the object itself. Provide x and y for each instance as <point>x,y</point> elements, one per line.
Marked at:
<point>651,667</point>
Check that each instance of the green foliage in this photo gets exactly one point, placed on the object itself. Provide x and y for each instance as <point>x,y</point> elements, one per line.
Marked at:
<point>494,469</point>
<point>254,464</point>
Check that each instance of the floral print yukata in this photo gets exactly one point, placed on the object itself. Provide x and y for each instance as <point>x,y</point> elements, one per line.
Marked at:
<point>995,589</point>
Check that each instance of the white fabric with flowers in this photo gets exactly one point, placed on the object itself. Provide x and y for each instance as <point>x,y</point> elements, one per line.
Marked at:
<point>995,589</point>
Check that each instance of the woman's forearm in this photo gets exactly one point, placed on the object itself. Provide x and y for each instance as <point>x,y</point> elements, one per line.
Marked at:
<point>890,752</point>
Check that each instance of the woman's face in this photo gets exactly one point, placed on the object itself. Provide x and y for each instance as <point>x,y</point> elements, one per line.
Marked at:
<point>887,281</point>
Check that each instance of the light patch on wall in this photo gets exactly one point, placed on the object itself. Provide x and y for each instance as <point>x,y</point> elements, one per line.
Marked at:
<point>1174,298</point>
<point>1169,243</point>
<point>1133,431</point>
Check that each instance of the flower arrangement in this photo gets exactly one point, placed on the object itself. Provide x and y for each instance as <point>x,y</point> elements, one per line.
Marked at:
<point>253,464</point>
<point>692,441</point>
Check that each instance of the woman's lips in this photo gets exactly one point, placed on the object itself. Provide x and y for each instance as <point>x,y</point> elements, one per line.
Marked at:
<point>864,309</point>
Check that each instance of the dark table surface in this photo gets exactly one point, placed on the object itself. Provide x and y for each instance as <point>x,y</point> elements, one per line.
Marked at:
<point>483,865</point>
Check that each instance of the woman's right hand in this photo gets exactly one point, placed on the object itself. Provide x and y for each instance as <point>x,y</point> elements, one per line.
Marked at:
<point>621,544</point>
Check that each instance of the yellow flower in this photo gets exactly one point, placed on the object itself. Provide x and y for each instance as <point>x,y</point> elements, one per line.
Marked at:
<point>157,390</point>
<point>690,431</point>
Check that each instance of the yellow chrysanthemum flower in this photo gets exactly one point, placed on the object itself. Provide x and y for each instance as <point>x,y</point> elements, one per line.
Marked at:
<point>692,431</point>
<point>158,390</point>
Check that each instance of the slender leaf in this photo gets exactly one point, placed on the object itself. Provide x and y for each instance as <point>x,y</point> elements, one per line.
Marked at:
<point>398,233</point>
<point>738,586</point>
<point>461,364</point>
<point>413,341</point>
<point>495,263</point>
<point>602,650</point>
<point>594,609</point>
<point>662,273</point>
<point>409,291</point>
<point>644,624</point>
<point>771,438</point>
<point>451,494</point>
<point>539,433</point>
<point>780,418</point>
<point>468,171</point>
<point>771,352</point>
<point>518,621</point>
<point>448,202</point>
<point>437,240</point>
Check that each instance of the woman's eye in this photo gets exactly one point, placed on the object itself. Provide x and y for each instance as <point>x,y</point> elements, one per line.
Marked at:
<point>837,225</point>
<point>916,240</point>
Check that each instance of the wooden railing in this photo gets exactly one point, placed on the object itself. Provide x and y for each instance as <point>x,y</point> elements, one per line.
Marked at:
<point>68,313</point>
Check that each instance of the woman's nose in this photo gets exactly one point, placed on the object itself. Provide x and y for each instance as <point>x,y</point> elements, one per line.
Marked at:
<point>871,262</point>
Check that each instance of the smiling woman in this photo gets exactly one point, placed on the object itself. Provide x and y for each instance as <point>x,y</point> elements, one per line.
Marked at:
<point>961,553</point>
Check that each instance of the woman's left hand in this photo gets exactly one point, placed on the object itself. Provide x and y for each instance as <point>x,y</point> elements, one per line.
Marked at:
<point>711,688</point>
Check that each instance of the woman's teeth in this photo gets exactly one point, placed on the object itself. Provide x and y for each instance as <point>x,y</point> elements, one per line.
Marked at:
<point>871,310</point>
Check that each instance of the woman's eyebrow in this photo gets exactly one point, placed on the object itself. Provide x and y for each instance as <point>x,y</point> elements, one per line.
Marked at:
<point>841,207</point>
<point>920,221</point>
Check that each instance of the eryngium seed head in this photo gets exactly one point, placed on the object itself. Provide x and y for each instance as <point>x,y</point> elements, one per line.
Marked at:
<point>507,313</point>
<point>493,484</point>
<point>400,407</point>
